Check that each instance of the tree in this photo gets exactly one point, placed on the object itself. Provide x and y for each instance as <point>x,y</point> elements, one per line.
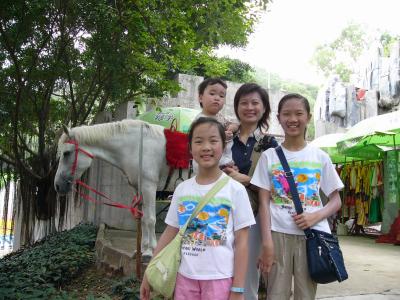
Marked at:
<point>341,55</point>
<point>66,61</point>
<point>224,67</point>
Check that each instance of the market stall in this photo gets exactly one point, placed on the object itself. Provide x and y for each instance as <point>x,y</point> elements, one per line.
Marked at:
<point>369,166</point>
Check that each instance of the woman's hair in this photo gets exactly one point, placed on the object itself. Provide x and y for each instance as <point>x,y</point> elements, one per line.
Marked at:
<point>294,96</point>
<point>247,89</point>
<point>212,122</point>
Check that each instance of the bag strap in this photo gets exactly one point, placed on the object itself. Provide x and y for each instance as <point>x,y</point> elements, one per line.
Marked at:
<point>264,143</point>
<point>211,193</point>
<point>255,156</point>
<point>292,185</point>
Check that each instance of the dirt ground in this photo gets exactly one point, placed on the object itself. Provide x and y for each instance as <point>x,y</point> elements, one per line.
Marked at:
<point>93,282</point>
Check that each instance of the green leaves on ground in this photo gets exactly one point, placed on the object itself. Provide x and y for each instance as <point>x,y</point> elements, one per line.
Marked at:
<point>37,272</point>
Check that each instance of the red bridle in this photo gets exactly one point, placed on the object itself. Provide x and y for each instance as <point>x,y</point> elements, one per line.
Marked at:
<point>133,208</point>
<point>77,149</point>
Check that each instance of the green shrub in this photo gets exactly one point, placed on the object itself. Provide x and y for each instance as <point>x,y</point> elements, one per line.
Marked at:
<point>38,271</point>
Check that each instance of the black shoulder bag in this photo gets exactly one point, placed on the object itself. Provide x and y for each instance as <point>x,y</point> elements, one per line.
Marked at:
<point>324,257</point>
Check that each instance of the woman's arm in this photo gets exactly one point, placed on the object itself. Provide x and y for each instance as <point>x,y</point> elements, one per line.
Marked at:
<point>240,261</point>
<point>266,258</point>
<point>306,220</point>
<point>235,174</point>
<point>167,236</point>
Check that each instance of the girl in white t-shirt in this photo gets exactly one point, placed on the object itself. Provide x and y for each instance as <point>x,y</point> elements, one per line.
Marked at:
<point>283,254</point>
<point>214,248</point>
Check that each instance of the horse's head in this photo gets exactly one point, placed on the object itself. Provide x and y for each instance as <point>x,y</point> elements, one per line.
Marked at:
<point>74,160</point>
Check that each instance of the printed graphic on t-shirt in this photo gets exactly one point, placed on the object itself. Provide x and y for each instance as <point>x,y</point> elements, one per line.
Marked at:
<point>306,175</point>
<point>208,228</point>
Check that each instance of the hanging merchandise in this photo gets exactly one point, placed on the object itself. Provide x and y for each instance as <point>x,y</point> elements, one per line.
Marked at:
<point>376,203</point>
<point>363,201</point>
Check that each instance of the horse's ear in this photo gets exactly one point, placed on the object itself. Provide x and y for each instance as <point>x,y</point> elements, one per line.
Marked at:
<point>66,130</point>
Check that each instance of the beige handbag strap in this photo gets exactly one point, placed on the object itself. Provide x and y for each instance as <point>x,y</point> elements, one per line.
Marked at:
<point>255,156</point>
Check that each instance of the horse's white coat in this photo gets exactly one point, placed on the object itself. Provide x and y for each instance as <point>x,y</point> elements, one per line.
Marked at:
<point>118,144</point>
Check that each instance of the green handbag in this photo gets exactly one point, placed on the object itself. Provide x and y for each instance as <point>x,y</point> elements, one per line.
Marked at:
<point>163,268</point>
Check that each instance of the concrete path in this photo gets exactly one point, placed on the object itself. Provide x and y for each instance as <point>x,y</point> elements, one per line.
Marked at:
<point>374,271</point>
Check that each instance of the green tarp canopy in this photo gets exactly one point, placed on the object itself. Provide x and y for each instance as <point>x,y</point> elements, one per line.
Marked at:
<point>367,140</point>
<point>382,130</point>
<point>328,144</point>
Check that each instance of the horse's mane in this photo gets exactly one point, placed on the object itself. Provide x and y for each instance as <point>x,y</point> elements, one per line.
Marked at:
<point>90,135</point>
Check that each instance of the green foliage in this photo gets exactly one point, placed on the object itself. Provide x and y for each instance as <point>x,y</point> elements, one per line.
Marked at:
<point>226,68</point>
<point>387,40</point>
<point>67,61</point>
<point>123,288</point>
<point>238,71</point>
<point>341,55</point>
<point>324,57</point>
<point>37,272</point>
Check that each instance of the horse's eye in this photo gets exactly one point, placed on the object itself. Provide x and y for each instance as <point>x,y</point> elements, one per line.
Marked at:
<point>67,153</point>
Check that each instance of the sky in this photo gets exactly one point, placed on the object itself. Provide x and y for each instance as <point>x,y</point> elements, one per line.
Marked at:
<point>289,32</point>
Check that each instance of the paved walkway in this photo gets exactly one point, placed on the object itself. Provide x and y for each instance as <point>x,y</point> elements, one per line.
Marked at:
<point>374,271</point>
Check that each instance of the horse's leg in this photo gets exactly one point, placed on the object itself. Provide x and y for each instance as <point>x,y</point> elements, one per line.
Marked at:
<point>149,240</point>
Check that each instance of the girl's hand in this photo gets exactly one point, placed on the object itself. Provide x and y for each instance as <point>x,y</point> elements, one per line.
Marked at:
<point>306,220</point>
<point>236,296</point>
<point>145,289</point>
<point>266,258</point>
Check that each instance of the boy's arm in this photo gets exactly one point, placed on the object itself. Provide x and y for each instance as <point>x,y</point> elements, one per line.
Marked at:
<point>233,127</point>
<point>306,220</point>
<point>266,258</point>
<point>240,261</point>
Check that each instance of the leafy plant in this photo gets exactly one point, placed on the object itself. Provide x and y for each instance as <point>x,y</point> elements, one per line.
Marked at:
<point>38,271</point>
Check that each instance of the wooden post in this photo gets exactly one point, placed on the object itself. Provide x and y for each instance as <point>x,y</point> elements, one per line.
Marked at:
<point>138,248</point>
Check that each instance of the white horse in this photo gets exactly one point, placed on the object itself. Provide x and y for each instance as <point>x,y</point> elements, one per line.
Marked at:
<point>118,143</point>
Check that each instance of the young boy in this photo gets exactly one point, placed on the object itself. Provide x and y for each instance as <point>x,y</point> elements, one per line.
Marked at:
<point>212,93</point>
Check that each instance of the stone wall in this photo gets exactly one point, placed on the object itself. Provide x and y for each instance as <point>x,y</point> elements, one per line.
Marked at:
<point>379,76</point>
<point>188,97</point>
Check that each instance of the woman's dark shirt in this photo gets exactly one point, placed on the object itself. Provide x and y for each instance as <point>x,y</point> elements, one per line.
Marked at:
<point>241,153</point>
